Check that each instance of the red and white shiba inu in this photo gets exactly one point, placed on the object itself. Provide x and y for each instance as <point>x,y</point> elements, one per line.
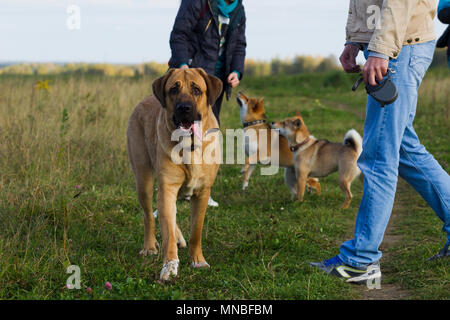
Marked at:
<point>253,117</point>
<point>318,158</point>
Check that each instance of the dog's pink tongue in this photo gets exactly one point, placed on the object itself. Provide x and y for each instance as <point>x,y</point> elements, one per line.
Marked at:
<point>196,130</point>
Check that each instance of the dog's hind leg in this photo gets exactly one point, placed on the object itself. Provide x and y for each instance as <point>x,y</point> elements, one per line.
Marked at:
<point>291,180</point>
<point>145,195</point>
<point>250,165</point>
<point>144,177</point>
<point>144,187</point>
<point>247,175</point>
<point>244,171</point>
<point>180,239</point>
<point>345,184</point>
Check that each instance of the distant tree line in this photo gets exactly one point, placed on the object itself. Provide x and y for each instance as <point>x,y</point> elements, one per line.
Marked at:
<point>110,70</point>
<point>297,65</point>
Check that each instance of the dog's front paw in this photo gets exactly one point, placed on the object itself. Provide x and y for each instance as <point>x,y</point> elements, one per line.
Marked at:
<point>244,186</point>
<point>148,252</point>
<point>200,265</point>
<point>169,270</point>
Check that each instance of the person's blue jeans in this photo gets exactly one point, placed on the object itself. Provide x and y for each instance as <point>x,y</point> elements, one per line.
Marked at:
<point>391,148</point>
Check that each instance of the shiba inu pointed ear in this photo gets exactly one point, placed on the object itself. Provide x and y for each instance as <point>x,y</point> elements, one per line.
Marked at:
<point>297,123</point>
<point>297,113</point>
<point>257,104</point>
<point>242,96</point>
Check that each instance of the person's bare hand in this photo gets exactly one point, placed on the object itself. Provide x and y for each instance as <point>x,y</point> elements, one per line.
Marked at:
<point>233,80</point>
<point>375,69</point>
<point>185,66</point>
<point>348,59</point>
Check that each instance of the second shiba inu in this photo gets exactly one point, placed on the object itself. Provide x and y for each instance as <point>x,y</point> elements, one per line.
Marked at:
<point>253,117</point>
<point>319,158</point>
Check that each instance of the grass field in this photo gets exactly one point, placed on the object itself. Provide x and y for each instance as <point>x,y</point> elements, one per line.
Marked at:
<point>70,140</point>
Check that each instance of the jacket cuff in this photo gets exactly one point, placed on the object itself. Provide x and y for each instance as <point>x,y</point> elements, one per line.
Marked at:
<point>359,45</point>
<point>384,49</point>
<point>378,55</point>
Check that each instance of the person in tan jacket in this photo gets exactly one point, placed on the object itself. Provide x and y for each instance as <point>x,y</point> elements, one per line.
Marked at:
<point>399,35</point>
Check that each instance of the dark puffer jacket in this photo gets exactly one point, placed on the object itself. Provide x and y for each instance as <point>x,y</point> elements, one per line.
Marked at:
<point>444,40</point>
<point>195,37</point>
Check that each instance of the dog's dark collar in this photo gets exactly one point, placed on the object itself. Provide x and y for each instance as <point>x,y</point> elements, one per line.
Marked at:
<point>253,123</point>
<point>301,144</point>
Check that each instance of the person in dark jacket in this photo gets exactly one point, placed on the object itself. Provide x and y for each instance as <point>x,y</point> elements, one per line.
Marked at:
<point>444,17</point>
<point>210,34</point>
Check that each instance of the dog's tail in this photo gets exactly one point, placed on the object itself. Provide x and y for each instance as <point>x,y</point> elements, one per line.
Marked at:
<point>353,140</point>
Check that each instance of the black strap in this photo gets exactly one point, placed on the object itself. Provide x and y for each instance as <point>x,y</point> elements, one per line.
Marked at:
<point>357,83</point>
<point>301,144</point>
<point>253,123</point>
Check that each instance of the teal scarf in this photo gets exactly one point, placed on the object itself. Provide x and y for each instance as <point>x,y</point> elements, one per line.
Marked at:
<point>225,9</point>
<point>443,4</point>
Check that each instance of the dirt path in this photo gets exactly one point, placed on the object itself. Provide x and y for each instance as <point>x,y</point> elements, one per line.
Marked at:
<point>392,238</point>
<point>389,289</point>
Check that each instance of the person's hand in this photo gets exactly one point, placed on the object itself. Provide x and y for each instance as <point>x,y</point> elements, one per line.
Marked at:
<point>348,59</point>
<point>184,66</point>
<point>233,80</point>
<point>375,68</point>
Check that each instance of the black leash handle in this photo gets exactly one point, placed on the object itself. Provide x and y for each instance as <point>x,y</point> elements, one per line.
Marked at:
<point>385,92</point>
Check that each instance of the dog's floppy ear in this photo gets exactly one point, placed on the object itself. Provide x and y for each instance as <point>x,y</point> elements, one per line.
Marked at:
<point>214,86</point>
<point>159,86</point>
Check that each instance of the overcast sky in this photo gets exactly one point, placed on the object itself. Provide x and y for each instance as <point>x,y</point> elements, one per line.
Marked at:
<point>135,31</point>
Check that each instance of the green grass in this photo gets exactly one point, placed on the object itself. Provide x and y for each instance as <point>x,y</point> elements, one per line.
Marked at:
<point>258,243</point>
<point>422,239</point>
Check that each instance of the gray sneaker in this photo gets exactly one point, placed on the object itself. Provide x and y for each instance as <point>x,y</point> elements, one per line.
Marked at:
<point>336,267</point>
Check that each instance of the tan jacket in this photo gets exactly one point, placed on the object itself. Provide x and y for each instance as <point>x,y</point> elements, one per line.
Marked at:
<point>402,22</point>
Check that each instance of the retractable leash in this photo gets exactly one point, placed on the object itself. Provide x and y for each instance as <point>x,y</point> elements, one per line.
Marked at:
<point>228,92</point>
<point>385,92</point>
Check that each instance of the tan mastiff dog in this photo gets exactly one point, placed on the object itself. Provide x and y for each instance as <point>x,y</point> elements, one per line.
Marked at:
<point>181,99</point>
